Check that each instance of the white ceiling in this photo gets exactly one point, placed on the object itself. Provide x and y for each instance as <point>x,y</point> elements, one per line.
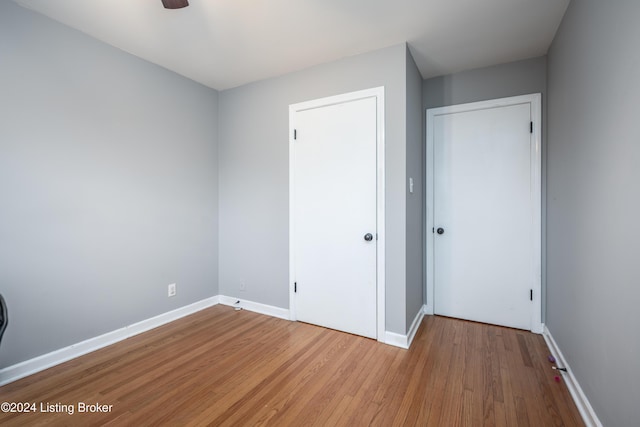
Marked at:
<point>227,43</point>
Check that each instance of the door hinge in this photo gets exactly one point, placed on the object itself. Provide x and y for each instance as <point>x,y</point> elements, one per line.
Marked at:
<point>295,134</point>
<point>295,287</point>
<point>531,294</point>
<point>530,127</point>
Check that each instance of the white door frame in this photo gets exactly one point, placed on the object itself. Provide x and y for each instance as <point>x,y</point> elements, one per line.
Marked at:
<point>378,94</point>
<point>536,193</point>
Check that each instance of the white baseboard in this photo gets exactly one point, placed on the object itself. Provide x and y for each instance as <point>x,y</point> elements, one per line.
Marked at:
<point>404,341</point>
<point>538,328</point>
<point>256,307</point>
<point>428,309</point>
<point>586,410</point>
<point>396,340</point>
<point>414,326</point>
<point>40,363</point>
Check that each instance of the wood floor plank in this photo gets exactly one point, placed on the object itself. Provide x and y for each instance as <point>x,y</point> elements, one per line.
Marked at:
<point>224,367</point>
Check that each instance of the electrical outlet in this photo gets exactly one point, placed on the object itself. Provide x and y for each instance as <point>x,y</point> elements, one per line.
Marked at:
<point>172,290</point>
<point>243,287</point>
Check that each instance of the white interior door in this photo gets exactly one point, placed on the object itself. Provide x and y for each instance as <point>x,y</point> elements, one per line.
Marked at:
<point>485,199</point>
<point>334,215</point>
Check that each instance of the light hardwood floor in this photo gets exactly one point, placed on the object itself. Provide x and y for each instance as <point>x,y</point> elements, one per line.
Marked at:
<point>226,367</point>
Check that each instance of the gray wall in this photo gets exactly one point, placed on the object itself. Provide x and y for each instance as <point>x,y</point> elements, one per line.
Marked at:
<point>415,200</point>
<point>108,187</point>
<point>254,175</point>
<point>593,239</point>
<point>499,81</point>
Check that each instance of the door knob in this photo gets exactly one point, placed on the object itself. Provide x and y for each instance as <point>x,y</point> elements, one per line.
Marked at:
<point>440,230</point>
<point>368,237</point>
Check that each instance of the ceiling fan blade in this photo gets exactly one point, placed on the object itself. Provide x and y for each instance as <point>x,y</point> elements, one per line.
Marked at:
<point>175,4</point>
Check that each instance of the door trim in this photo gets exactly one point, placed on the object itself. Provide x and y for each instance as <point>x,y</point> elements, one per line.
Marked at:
<point>536,193</point>
<point>378,94</point>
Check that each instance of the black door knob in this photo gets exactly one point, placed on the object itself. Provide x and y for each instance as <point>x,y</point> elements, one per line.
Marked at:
<point>440,230</point>
<point>368,237</point>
